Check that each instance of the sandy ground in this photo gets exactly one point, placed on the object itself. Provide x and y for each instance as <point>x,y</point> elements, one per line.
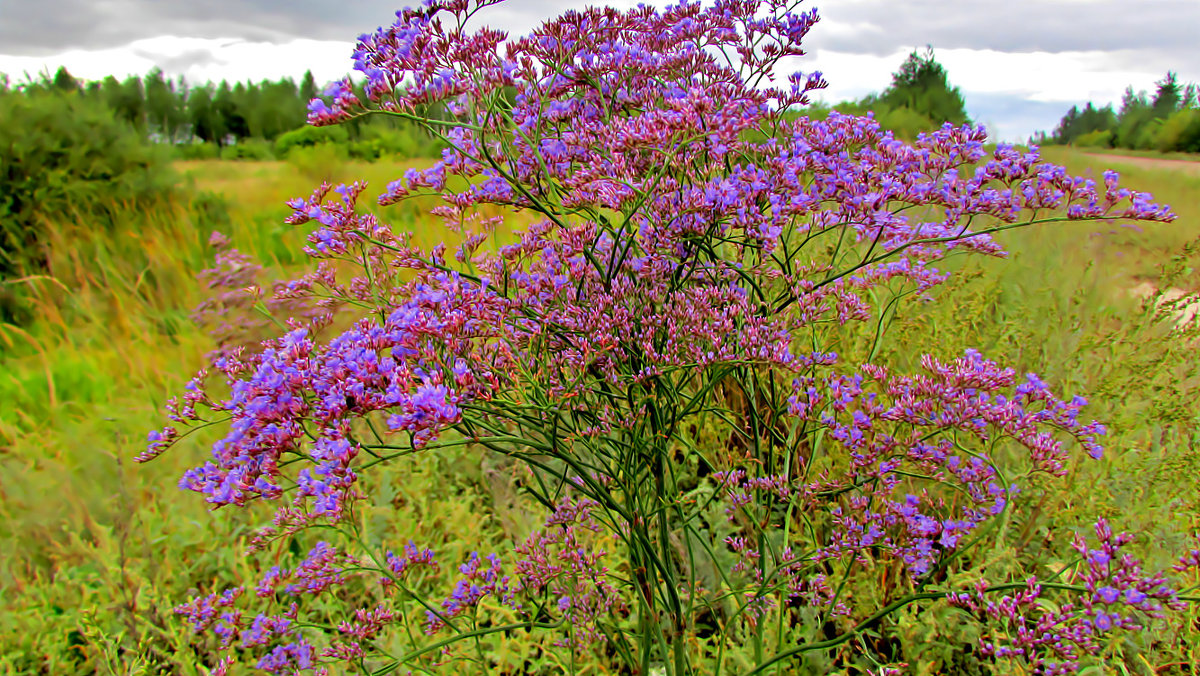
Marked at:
<point>1185,306</point>
<point>1187,166</point>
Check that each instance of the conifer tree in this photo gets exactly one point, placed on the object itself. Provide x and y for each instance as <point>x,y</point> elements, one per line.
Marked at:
<point>922,86</point>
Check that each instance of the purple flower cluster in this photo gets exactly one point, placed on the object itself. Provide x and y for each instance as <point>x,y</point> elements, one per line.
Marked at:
<point>284,648</point>
<point>559,563</point>
<point>236,286</point>
<point>296,385</point>
<point>478,580</point>
<point>1052,638</point>
<point>691,249</point>
<point>889,429</point>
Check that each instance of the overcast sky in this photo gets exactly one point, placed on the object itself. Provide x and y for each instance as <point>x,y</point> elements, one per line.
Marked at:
<point>1020,63</point>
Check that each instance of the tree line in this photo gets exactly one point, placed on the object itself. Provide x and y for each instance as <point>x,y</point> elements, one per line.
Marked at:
<point>252,120</point>
<point>175,111</point>
<point>1168,121</point>
<point>242,120</point>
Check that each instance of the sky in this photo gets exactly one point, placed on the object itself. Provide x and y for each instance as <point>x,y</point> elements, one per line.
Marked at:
<point>1019,63</point>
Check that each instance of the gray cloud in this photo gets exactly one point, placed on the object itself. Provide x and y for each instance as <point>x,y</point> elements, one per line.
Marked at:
<point>181,62</point>
<point>38,27</point>
<point>883,26</point>
<point>43,27</point>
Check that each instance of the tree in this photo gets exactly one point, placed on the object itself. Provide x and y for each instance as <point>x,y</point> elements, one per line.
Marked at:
<point>225,106</point>
<point>206,124</point>
<point>1078,123</point>
<point>308,87</point>
<point>923,86</point>
<point>1168,97</point>
<point>162,105</point>
<point>64,81</point>
<point>127,100</point>
<point>1136,113</point>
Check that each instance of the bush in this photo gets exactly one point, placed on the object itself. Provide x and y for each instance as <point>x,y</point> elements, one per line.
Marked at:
<point>905,123</point>
<point>318,163</point>
<point>404,142</point>
<point>307,137</point>
<point>1101,138</point>
<point>1180,132</point>
<point>1146,137</point>
<point>63,154</point>
<point>248,149</point>
<point>196,151</point>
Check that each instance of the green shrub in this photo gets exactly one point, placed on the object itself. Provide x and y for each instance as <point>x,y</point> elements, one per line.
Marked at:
<point>1180,132</point>
<point>248,149</point>
<point>196,151</point>
<point>64,154</point>
<point>377,142</point>
<point>307,137</point>
<point>1146,137</point>
<point>905,123</point>
<point>1100,138</point>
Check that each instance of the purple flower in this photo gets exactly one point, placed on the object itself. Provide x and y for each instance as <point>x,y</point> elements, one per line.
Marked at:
<point>677,252</point>
<point>1108,595</point>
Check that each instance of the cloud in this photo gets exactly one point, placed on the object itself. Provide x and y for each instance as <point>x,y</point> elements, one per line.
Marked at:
<point>42,27</point>
<point>45,27</point>
<point>196,59</point>
<point>883,26</point>
<point>879,27</point>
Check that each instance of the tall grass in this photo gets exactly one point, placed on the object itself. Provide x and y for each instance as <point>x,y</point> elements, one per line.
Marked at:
<point>94,550</point>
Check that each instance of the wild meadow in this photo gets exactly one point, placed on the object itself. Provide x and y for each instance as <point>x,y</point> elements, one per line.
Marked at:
<point>106,566</point>
<point>98,550</point>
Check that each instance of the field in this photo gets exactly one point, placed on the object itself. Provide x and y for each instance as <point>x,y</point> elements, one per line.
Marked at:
<point>96,550</point>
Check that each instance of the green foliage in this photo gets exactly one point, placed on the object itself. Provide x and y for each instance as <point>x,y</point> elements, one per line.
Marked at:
<point>384,141</point>
<point>221,116</point>
<point>196,151</point>
<point>905,123</point>
<point>64,154</point>
<point>1100,138</point>
<point>163,115</point>
<point>1168,122</point>
<point>923,87</point>
<point>307,137</point>
<point>1168,97</point>
<point>1180,132</point>
<point>248,149</point>
<point>1077,124</point>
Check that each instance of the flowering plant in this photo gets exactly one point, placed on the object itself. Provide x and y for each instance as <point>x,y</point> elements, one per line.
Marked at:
<point>656,352</point>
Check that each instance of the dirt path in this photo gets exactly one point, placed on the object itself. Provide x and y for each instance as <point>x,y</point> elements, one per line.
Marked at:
<point>1184,306</point>
<point>1186,166</point>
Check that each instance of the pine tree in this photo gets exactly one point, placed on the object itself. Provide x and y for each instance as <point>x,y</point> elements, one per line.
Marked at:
<point>1168,97</point>
<point>308,87</point>
<point>64,81</point>
<point>922,86</point>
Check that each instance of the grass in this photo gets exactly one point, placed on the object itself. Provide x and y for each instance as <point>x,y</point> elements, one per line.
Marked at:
<point>96,550</point>
<point>1129,152</point>
<point>1139,251</point>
